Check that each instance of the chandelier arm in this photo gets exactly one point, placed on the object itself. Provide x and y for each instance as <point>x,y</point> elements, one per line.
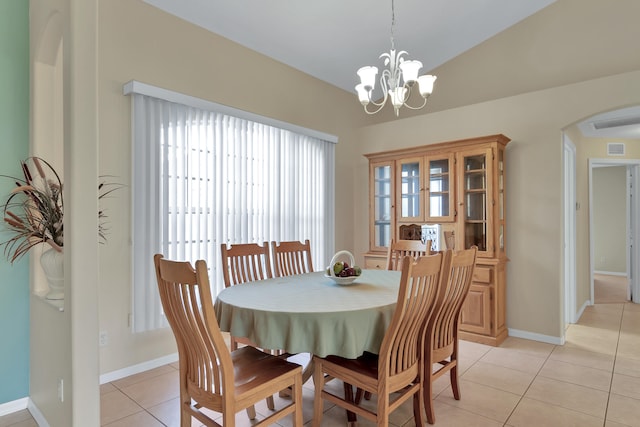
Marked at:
<point>424,102</point>
<point>374,111</point>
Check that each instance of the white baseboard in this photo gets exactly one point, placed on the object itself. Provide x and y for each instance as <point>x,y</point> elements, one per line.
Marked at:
<point>22,404</point>
<point>586,304</point>
<point>610,273</point>
<point>536,337</point>
<point>140,367</point>
<point>37,415</point>
<point>14,406</point>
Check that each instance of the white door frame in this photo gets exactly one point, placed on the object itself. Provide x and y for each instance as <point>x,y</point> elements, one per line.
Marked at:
<point>633,232</point>
<point>569,242</point>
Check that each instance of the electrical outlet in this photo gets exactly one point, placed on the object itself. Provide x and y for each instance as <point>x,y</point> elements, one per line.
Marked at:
<point>61,390</point>
<point>103,338</point>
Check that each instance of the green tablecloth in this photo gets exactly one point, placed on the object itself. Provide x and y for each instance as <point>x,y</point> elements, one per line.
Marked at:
<point>310,313</point>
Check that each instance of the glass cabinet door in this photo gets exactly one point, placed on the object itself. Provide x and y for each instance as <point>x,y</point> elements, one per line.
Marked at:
<point>440,200</point>
<point>410,190</point>
<point>501,216</point>
<point>382,196</point>
<point>477,199</point>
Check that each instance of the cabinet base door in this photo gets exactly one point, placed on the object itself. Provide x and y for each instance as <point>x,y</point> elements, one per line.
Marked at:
<point>476,311</point>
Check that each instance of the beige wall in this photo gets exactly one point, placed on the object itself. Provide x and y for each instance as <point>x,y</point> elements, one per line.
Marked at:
<point>609,207</point>
<point>140,42</point>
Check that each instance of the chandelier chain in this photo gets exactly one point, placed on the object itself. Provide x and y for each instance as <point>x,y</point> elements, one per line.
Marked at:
<point>393,24</point>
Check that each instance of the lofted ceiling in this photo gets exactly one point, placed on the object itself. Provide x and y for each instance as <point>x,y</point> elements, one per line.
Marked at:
<point>332,39</point>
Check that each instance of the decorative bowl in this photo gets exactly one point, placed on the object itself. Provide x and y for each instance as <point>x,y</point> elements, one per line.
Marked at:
<point>344,281</point>
<point>341,280</point>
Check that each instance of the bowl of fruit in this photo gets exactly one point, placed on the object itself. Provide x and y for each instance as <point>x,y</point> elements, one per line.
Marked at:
<point>343,272</point>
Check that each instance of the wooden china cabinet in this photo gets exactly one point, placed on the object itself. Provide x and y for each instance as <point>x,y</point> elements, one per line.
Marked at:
<point>459,185</point>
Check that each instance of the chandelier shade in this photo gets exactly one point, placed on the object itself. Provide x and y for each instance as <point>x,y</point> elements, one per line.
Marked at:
<point>396,81</point>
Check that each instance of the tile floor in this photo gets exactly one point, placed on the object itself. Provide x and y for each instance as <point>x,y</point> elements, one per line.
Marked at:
<point>593,380</point>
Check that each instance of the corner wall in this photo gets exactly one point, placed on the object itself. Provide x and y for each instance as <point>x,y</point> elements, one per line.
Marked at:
<point>14,142</point>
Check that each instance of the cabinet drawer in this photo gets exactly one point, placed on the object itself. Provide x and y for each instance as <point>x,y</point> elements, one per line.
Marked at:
<point>375,263</point>
<point>482,274</point>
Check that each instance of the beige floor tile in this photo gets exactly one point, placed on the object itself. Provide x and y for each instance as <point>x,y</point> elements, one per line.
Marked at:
<point>26,423</point>
<point>576,374</point>
<point>140,419</point>
<point>499,377</point>
<point>609,423</point>
<point>447,415</point>
<point>611,309</point>
<point>571,396</point>
<point>155,390</point>
<point>472,350</point>
<point>106,388</point>
<point>626,386</point>
<point>142,376</point>
<point>15,418</point>
<point>626,366</point>
<point>534,413</point>
<point>609,321</point>
<point>583,357</point>
<point>482,400</point>
<point>168,413</point>
<point>629,345</point>
<point>514,360</point>
<point>592,339</point>
<point>533,348</point>
<point>623,410</point>
<point>116,405</point>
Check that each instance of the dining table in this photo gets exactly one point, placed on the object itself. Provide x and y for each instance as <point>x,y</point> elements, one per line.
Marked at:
<point>311,313</point>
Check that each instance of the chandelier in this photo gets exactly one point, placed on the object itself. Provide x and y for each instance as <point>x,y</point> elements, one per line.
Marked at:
<point>396,81</point>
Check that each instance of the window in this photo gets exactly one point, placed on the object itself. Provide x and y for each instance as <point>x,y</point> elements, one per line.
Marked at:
<point>202,178</point>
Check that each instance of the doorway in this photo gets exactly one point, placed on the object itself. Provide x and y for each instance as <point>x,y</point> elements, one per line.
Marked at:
<point>612,221</point>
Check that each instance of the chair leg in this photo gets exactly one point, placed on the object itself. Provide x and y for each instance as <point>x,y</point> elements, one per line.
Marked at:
<point>427,397</point>
<point>251,412</point>
<point>455,386</point>
<point>270,403</point>
<point>352,418</point>
<point>318,381</point>
<point>417,408</point>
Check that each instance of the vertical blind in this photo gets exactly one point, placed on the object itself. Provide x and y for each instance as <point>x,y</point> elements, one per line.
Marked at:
<point>203,178</point>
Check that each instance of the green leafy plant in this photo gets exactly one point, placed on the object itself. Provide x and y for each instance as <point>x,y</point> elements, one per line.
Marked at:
<point>34,210</point>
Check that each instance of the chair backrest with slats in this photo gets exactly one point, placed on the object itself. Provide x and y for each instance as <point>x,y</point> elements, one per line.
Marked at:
<point>206,367</point>
<point>402,248</point>
<point>291,258</point>
<point>420,285</point>
<point>443,326</point>
<point>245,262</point>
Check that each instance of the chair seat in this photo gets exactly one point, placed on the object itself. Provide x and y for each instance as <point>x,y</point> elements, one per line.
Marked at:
<point>366,365</point>
<point>252,368</point>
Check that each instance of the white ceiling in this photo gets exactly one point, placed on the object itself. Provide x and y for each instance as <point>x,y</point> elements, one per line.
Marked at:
<point>331,39</point>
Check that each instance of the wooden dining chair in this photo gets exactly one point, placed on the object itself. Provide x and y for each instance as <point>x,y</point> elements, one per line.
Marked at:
<point>241,263</point>
<point>397,369</point>
<point>398,249</point>
<point>245,262</point>
<point>291,258</point>
<point>441,339</point>
<point>211,376</point>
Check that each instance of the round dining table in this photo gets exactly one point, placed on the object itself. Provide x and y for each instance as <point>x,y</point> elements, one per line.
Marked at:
<point>310,313</point>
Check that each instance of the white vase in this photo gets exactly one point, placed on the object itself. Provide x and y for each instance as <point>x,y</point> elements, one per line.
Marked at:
<point>52,263</point>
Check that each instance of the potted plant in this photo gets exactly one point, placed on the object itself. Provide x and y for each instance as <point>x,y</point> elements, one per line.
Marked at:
<point>33,215</point>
